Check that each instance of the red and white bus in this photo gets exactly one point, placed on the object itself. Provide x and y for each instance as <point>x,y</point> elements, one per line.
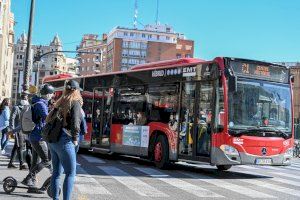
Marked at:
<point>225,112</point>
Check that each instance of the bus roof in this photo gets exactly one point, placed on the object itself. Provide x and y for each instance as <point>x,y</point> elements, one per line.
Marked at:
<point>57,77</point>
<point>153,65</point>
<point>180,61</point>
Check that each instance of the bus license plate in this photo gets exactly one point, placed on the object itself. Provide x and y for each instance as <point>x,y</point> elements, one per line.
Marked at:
<point>261,161</point>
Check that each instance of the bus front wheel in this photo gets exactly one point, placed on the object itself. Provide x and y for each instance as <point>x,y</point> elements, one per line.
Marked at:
<point>224,167</point>
<point>161,152</point>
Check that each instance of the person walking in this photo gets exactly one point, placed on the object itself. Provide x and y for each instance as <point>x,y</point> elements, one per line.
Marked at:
<point>39,146</point>
<point>15,126</point>
<point>4,123</point>
<point>63,152</point>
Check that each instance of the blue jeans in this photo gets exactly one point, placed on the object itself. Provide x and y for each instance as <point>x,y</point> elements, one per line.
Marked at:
<point>4,138</point>
<point>63,157</point>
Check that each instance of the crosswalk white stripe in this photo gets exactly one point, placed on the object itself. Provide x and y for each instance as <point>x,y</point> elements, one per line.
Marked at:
<point>133,183</point>
<point>275,179</point>
<point>287,175</point>
<point>86,184</point>
<point>230,186</point>
<point>178,183</point>
<point>272,187</point>
<point>295,165</point>
<point>277,168</point>
<point>291,168</point>
<point>246,167</point>
<point>95,160</point>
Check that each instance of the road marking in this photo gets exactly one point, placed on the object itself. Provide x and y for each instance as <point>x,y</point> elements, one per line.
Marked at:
<point>246,167</point>
<point>275,179</point>
<point>287,175</point>
<point>178,183</point>
<point>230,186</point>
<point>132,183</point>
<point>290,167</point>
<point>126,163</point>
<point>86,184</point>
<point>272,187</point>
<point>296,164</point>
<point>94,160</point>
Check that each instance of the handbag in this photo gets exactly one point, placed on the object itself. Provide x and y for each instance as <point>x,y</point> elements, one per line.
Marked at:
<point>51,132</point>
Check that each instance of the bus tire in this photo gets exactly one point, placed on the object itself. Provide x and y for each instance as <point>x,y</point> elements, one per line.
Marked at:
<point>224,167</point>
<point>161,152</point>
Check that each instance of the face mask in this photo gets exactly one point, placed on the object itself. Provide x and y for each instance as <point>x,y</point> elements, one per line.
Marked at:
<point>49,96</point>
<point>24,102</point>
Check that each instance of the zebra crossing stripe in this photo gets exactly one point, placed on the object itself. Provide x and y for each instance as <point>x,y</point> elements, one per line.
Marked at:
<point>132,183</point>
<point>178,183</point>
<point>275,179</point>
<point>291,168</point>
<point>295,165</point>
<point>86,184</point>
<point>94,160</point>
<point>272,187</point>
<point>246,167</point>
<point>287,175</point>
<point>230,186</point>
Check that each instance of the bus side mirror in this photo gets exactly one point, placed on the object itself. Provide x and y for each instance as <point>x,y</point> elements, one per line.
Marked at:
<point>232,84</point>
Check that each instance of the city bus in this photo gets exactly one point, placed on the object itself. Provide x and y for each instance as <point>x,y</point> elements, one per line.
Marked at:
<point>225,112</point>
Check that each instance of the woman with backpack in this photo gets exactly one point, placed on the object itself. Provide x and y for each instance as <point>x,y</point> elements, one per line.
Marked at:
<point>4,123</point>
<point>63,151</point>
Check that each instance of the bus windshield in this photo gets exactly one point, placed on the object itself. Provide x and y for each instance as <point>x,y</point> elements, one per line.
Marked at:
<point>260,107</point>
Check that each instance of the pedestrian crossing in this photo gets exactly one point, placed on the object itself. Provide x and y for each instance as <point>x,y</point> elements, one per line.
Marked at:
<point>101,178</point>
<point>248,182</point>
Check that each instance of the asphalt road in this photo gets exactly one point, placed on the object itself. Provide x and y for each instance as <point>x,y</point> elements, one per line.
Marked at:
<point>126,178</point>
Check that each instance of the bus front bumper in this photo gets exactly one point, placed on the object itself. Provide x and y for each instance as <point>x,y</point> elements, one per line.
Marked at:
<point>220,158</point>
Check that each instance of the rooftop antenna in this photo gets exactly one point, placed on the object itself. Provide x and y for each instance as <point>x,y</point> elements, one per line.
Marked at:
<point>135,14</point>
<point>156,18</point>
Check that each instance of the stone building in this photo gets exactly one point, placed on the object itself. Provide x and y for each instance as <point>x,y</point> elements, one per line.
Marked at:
<point>51,63</point>
<point>6,48</point>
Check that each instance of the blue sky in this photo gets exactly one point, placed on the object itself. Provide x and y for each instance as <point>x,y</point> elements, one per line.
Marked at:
<point>257,29</point>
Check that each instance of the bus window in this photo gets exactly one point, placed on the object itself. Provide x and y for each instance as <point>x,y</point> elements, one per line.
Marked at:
<point>162,101</point>
<point>130,106</point>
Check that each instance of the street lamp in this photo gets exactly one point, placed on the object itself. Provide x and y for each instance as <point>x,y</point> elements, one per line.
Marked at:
<point>28,67</point>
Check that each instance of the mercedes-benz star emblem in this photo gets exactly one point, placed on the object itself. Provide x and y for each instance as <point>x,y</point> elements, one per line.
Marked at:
<point>264,151</point>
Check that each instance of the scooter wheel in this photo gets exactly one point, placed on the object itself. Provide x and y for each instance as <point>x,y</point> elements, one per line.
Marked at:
<point>49,191</point>
<point>9,185</point>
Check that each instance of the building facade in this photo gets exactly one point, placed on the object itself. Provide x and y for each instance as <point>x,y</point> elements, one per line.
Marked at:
<point>128,47</point>
<point>50,64</point>
<point>94,60</point>
<point>6,48</point>
<point>295,71</point>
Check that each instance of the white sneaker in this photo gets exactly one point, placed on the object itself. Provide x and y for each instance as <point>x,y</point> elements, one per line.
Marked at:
<point>3,152</point>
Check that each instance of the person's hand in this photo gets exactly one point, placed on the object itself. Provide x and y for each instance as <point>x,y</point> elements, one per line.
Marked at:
<point>75,143</point>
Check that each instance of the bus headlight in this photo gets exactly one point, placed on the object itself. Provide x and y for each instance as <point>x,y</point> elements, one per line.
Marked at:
<point>229,150</point>
<point>289,152</point>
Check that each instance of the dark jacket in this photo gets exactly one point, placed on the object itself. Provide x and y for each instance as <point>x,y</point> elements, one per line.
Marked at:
<point>83,125</point>
<point>14,124</point>
<point>73,121</point>
<point>39,114</point>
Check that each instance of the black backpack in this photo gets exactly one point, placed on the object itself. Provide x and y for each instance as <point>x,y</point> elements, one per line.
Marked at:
<point>51,132</point>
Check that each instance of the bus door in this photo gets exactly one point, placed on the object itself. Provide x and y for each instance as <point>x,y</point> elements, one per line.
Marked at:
<point>101,121</point>
<point>187,118</point>
<point>195,123</point>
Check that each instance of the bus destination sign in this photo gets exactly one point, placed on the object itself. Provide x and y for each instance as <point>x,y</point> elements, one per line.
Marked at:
<point>258,71</point>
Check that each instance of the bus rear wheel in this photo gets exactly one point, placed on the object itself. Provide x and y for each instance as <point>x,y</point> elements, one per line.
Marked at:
<point>224,167</point>
<point>161,152</point>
